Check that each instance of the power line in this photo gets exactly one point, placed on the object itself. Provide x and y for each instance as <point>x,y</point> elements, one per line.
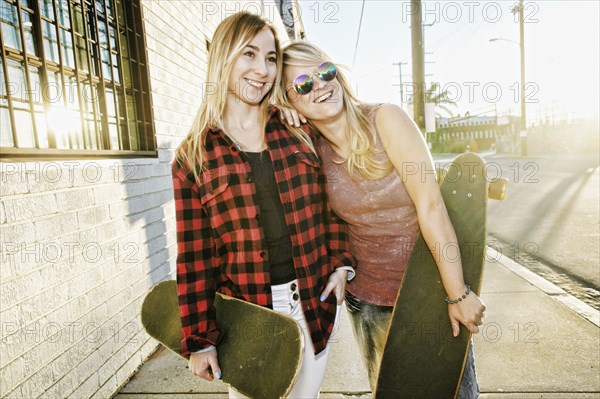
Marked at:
<point>400,63</point>
<point>448,36</point>
<point>358,34</point>
<point>464,39</point>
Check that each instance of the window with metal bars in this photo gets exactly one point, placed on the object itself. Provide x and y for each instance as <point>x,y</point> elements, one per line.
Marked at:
<point>74,80</point>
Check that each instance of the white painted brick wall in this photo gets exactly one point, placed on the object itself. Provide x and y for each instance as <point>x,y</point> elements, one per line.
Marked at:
<point>84,240</point>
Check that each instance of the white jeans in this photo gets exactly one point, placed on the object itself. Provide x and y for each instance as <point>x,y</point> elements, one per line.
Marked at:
<point>312,369</point>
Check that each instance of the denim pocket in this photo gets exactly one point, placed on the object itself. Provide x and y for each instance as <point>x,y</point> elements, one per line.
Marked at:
<point>353,304</point>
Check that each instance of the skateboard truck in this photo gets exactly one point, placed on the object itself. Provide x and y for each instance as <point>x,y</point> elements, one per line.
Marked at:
<point>496,189</point>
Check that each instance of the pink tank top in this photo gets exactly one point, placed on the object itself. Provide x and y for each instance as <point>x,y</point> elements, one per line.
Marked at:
<point>382,222</point>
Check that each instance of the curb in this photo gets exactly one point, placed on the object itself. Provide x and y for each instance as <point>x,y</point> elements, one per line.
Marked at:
<point>552,290</point>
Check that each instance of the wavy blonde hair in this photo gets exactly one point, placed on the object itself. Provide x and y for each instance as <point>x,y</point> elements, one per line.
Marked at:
<point>232,35</point>
<point>360,132</point>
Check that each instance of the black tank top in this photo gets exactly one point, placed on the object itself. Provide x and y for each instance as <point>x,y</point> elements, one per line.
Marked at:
<point>272,218</point>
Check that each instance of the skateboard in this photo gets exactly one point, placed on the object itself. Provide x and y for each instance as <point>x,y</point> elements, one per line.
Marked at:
<point>421,358</point>
<point>260,352</point>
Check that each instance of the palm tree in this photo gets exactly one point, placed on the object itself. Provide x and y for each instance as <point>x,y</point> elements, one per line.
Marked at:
<point>440,98</point>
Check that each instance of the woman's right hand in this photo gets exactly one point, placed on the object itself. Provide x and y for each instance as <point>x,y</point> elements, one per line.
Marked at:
<point>201,365</point>
<point>468,312</point>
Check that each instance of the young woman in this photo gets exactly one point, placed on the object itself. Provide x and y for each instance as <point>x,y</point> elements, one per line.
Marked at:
<point>367,151</point>
<point>253,219</point>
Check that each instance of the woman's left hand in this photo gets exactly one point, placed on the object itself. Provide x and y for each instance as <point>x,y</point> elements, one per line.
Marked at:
<point>468,312</point>
<point>291,116</point>
<point>337,282</point>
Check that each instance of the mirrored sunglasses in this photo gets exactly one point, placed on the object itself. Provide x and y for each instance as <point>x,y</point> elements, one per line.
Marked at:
<point>303,84</point>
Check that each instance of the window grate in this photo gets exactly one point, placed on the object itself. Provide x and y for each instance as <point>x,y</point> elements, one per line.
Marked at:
<point>74,76</point>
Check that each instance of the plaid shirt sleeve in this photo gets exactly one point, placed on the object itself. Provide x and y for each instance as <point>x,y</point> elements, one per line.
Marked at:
<point>196,264</point>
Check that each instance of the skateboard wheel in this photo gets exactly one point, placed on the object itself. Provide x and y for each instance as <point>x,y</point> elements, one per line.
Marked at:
<point>497,189</point>
<point>453,191</point>
<point>469,195</point>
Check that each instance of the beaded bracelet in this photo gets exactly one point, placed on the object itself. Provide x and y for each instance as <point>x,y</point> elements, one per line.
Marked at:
<point>449,302</point>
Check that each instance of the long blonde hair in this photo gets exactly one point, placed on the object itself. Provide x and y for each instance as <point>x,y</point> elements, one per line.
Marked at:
<point>360,132</point>
<point>230,38</point>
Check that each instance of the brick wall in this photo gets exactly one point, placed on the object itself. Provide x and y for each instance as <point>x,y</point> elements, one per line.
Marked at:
<point>83,240</point>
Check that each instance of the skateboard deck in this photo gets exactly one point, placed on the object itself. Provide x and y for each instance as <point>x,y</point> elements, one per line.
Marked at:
<point>260,352</point>
<point>421,358</point>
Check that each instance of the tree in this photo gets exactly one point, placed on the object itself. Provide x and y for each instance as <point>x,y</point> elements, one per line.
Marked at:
<point>440,98</point>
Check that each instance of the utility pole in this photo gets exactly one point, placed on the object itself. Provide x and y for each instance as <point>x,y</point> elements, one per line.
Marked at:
<point>400,63</point>
<point>418,64</point>
<point>523,134</point>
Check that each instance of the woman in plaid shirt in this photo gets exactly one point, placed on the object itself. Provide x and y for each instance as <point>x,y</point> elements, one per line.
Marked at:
<point>253,220</point>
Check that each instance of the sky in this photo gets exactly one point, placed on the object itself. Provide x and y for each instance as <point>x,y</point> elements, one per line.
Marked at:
<point>561,52</point>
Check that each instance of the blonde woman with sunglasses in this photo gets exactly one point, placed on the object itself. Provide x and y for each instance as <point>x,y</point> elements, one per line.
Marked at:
<point>365,150</point>
<point>253,220</point>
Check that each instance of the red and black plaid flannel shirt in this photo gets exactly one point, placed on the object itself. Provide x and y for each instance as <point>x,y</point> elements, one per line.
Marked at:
<point>221,245</point>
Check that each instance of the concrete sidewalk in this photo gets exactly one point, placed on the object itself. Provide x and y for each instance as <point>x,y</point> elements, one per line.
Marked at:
<point>537,342</point>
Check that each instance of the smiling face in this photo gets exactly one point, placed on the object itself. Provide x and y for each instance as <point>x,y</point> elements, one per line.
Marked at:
<point>254,70</point>
<point>322,103</point>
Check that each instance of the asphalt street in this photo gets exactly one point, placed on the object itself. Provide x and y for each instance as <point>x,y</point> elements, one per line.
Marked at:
<point>549,219</point>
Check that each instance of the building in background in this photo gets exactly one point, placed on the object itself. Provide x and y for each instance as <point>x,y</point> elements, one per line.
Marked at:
<point>460,133</point>
<point>94,98</point>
